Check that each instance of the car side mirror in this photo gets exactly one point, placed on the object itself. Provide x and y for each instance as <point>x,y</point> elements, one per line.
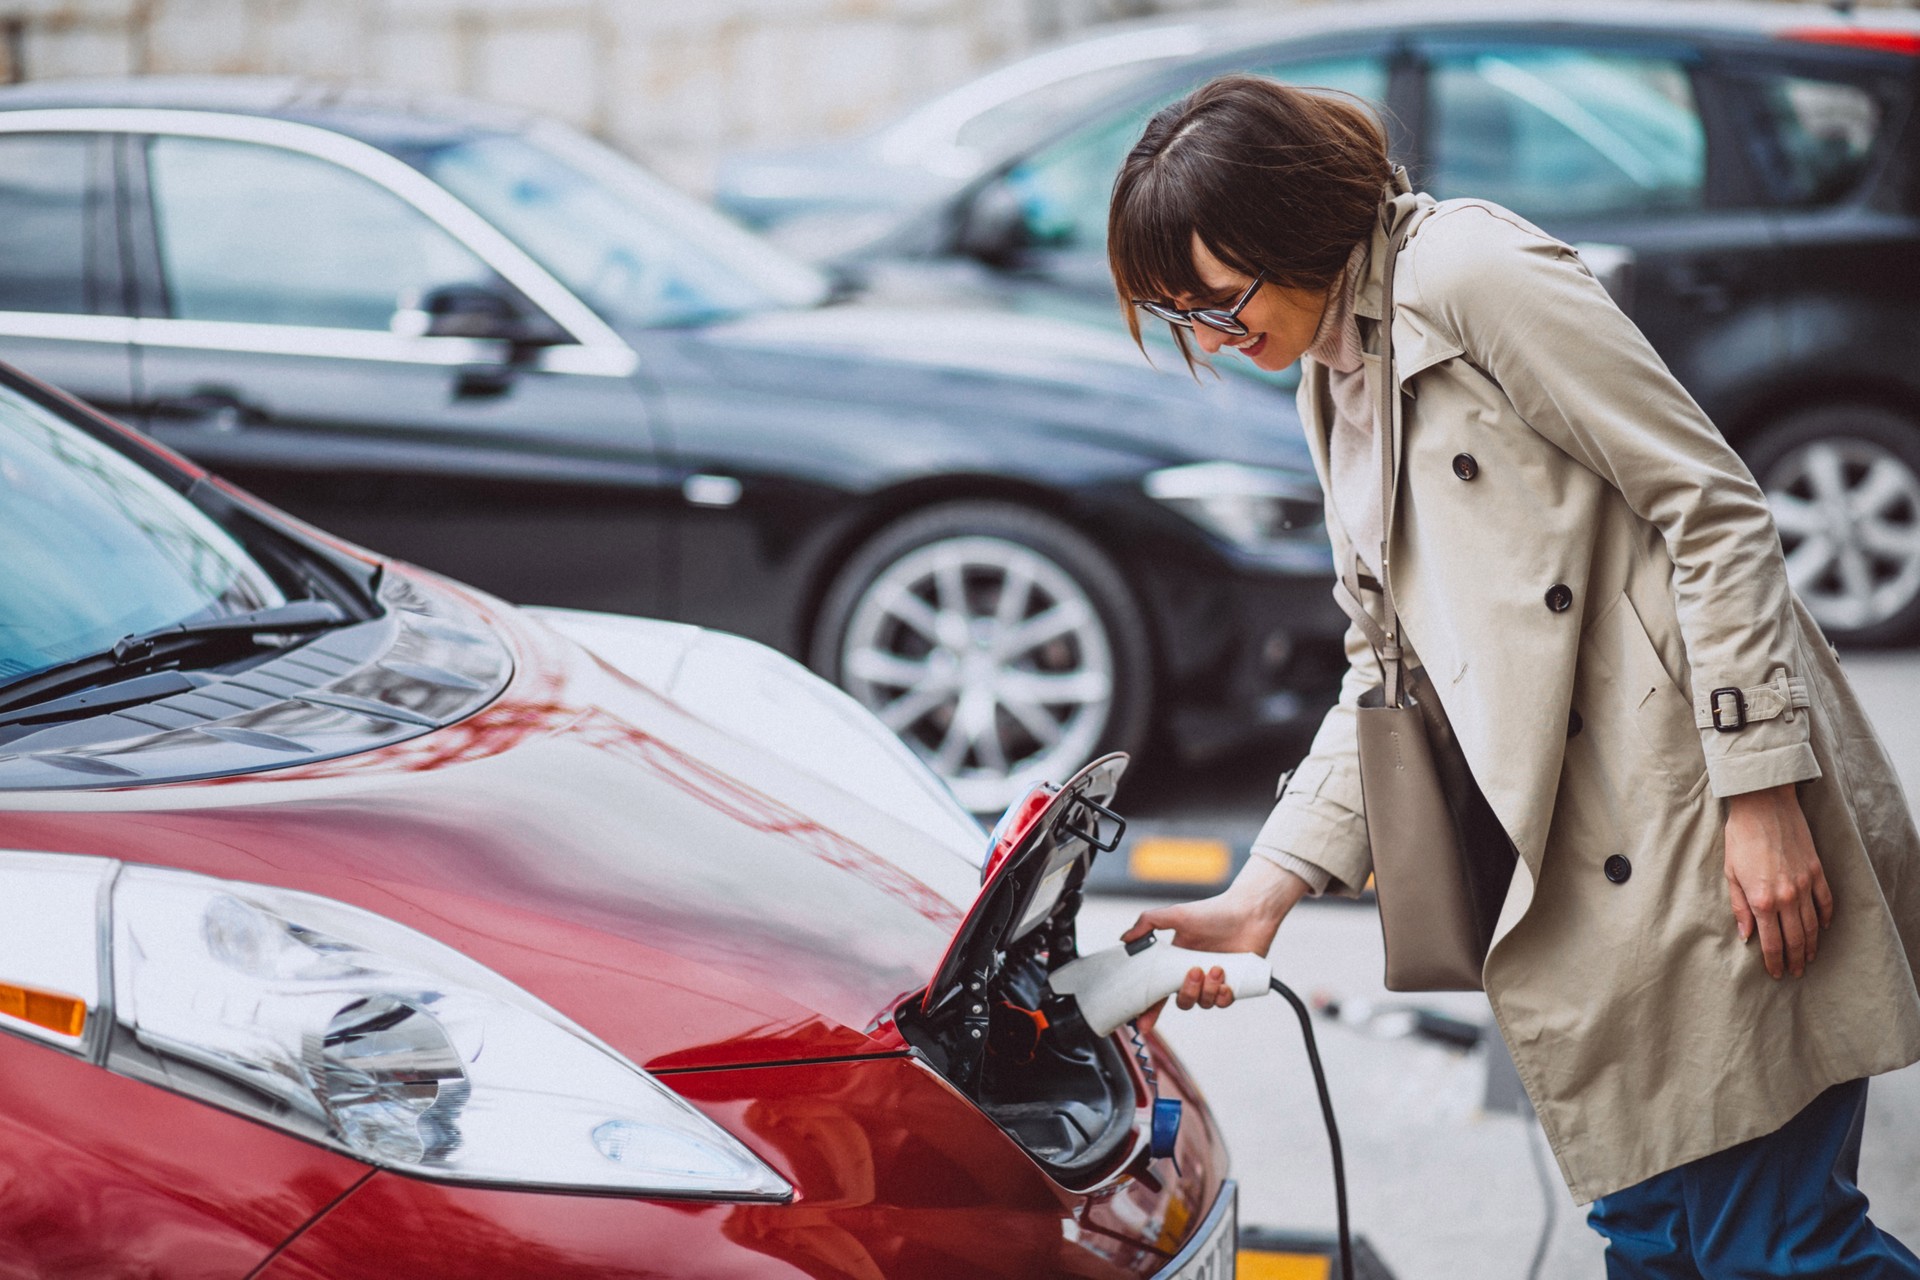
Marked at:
<point>993,225</point>
<point>476,311</point>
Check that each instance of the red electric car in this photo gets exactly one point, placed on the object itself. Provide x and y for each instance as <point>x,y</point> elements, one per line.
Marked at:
<point>353,923</point>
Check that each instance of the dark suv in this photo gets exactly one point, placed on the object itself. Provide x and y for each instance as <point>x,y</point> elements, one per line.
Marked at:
<point>1744,177</point>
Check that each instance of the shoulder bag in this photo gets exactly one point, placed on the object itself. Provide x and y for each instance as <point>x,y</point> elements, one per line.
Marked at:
<point>1442,863</point>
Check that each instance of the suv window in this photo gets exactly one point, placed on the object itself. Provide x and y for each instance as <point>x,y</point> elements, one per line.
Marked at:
<point>44,207</point>
<point>1064,189</point>
<point>1555,132</point>
<point>258,234</point>
<point>1823,132</point>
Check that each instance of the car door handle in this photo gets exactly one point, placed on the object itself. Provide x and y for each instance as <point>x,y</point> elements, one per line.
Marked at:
<point>206,410</point>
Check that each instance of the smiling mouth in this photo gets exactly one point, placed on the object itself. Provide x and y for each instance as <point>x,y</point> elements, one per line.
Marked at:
<point>1250,346</point>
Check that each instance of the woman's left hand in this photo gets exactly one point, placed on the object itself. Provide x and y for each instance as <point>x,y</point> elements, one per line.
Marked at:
<point>1775,879</point>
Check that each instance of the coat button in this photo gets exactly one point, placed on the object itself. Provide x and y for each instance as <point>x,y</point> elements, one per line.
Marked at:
<point>1618,869</point>
<point>1464,466</point>
<point>1574,723</point>
<point>1559,597</point>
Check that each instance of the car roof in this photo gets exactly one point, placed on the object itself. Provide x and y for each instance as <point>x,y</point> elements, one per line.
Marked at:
<point>388,118</point>
<point>1677,17</point>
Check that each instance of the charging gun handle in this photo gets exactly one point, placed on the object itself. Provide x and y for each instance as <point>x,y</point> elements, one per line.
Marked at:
<point>1114,986</point>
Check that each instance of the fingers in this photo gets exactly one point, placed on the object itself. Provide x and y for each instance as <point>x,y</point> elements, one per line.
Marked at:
<point>1205,987</point>
<point>1822,896</point>
<point>1767,925</point>
<point>1189,992</point>
<point>1148,921</point>
<point>1793,937</point>
<point>1151,1016</point>
<point>1810,925</point>
<point>1742,913</point>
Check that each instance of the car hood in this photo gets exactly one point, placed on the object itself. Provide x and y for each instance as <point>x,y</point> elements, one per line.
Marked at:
<point>996,369</point>
<point>692,846</point>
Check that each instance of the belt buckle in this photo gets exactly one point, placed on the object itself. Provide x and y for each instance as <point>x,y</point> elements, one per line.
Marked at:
<point>1739,709</point>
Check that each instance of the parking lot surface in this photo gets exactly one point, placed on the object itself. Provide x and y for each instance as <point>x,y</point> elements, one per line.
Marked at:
<point>1441,1184</point>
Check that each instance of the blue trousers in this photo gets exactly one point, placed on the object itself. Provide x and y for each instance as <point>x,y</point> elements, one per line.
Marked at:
<point>1782,1205</point>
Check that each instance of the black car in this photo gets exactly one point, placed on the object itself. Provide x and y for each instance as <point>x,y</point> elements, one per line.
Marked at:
<point>1743,177</point>
<point>484,344</point>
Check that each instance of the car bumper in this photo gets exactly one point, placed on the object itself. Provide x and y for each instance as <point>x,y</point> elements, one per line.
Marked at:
<point>1251,652</point>
<point>1210,1254</point>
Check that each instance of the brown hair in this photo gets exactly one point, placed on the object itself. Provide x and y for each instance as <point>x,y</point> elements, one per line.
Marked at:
<point>1277,181</point>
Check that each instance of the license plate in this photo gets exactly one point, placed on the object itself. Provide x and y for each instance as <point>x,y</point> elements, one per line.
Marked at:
<point>1210,1255</point>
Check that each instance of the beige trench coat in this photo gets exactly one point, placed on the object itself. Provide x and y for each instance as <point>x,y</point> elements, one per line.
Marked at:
<point>1646,1033</point>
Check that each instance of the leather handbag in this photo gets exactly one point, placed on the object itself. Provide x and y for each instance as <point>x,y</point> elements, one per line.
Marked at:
<point>1442,862</point>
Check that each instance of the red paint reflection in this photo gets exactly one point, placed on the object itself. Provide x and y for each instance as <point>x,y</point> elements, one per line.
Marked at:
<point>535,706</point>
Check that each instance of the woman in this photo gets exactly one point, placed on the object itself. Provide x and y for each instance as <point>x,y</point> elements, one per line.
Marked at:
<point>1711,939</point>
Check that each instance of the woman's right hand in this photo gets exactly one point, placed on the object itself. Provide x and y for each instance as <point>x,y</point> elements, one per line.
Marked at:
<point>1244,916</point>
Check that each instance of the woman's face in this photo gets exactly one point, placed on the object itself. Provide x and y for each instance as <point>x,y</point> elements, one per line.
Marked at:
<point>1280,322</point>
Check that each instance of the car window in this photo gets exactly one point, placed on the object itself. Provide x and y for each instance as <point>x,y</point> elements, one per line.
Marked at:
<point>1823,131</point>
<point>1064,189</point>
<point>267,236</point>
<point>635,250</point>
<point>93,548</point>
<point>44,198</point>
<point>1555,132</point>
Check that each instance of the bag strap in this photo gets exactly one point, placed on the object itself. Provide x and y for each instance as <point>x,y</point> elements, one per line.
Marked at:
<point>1384,640</point>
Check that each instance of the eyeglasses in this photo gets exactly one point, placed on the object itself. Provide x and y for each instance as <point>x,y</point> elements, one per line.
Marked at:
<point>1226,320</point>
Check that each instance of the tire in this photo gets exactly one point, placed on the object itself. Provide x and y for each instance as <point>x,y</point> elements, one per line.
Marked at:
<point>912,628</point>
<point>1844,484</point>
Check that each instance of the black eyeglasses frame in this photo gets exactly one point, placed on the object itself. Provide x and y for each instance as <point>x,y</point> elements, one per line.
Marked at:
<point>1224,319</point>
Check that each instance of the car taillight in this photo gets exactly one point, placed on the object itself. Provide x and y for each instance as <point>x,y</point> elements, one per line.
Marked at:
<point>1906,42</point>
<point>1014,826</point>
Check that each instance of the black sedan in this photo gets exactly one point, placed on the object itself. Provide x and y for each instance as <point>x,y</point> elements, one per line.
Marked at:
<point>483,343</point>
<point>1742,176</point>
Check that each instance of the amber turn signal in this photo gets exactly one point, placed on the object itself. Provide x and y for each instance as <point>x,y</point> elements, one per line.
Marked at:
<point>49,1009</point>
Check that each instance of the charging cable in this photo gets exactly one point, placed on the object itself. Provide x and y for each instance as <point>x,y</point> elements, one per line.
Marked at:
<point>1115,986</point>
<point>1333,1129</point>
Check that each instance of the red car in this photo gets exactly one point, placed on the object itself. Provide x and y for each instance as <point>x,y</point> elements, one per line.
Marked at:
<point>354,923</point>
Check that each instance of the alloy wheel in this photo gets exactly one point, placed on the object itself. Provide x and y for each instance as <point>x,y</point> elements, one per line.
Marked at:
<point>989,659</point>
<point>1848,512</point>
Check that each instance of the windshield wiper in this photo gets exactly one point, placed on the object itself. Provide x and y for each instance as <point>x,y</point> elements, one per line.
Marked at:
<point>149,649</point>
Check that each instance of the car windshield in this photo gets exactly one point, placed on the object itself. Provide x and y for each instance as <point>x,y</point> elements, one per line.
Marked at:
<point>632,248</point>
<point>93,548</point>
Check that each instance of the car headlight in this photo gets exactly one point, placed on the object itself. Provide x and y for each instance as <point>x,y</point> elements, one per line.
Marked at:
<point>1254,508</point>
<point>355,1031</point>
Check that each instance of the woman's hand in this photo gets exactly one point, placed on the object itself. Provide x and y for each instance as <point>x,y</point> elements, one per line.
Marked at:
<point>1775,880</point>
<point>1243,917</point>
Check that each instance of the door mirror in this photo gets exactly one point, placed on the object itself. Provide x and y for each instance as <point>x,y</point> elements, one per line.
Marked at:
<point>993,225</point>
<point>476,311</point>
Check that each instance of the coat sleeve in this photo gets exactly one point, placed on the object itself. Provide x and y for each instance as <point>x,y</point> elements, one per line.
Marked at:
<point>1319,819</point>
<point>1523,308</point>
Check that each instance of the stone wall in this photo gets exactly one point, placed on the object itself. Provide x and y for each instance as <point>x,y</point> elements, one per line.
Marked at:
<point>674,82</point>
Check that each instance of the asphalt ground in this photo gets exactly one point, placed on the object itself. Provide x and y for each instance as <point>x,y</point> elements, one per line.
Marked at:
<point>1444,1176</point>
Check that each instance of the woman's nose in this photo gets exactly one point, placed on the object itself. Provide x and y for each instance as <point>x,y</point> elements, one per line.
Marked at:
<point>1209,338</point>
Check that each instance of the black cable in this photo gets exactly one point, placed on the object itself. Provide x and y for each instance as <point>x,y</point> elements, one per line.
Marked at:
<point>1333,1130</point>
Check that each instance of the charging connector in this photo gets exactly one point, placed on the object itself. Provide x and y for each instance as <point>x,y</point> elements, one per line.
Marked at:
<point>1117,985</point>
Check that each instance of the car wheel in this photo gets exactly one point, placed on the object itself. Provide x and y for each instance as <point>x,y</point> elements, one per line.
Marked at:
<point>1844,484</point>
<point>1001,645</point>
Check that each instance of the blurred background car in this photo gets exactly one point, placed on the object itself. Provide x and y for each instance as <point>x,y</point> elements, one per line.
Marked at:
<point>482,343</point>
<point>334,894</point>
<point>1743,177</point>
